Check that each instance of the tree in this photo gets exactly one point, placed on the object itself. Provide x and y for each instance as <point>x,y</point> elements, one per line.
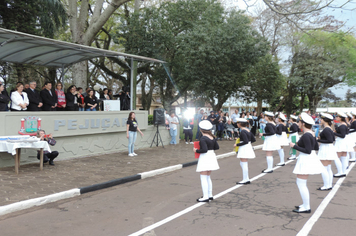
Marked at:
<point>39,17</point>
<point>162,32</point>
<point>86,19</point>
<point>264,82</point>
<point>322,61</point>
<point>216,56</point>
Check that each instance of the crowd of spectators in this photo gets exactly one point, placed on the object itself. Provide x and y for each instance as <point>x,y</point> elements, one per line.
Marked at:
<point>29,98</point>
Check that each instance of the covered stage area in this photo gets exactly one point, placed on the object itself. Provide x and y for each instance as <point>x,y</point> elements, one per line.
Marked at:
<point>78,134</point>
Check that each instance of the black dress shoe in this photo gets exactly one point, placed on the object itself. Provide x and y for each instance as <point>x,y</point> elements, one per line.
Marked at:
<point>264,171</point>
<point>330,188</point>
<point>281,164</point>
<point>297,207</point>
<point>210,198</point>
<point>51,163</point>
<point>299,211</point>
<point>322,189</point>
<point>202,200</point>
<point>248,182</point>
<point>292,158</point>
<point>339,176</point>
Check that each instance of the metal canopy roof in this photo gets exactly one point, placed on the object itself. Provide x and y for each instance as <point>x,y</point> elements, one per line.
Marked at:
<point>17,47</point>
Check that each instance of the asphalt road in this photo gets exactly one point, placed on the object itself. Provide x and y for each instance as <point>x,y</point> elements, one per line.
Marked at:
<point>261,208</point>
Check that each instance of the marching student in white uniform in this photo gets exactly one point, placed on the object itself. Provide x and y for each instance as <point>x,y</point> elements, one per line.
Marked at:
<point>327,152</point>
<point>207,160</point>
<point>341,145</point>
<point>281,132</point>
<point>349,137</point>
<point>271,142</point>
<point>245,151</point>
<point>293,131</point>
<point>308,162</point>
<point>353,135</point>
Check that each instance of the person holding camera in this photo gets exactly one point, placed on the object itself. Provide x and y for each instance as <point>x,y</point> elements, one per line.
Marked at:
<point>47,156</point>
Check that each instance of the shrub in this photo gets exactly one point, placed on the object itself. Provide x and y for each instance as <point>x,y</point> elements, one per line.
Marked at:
<point>150,119</point>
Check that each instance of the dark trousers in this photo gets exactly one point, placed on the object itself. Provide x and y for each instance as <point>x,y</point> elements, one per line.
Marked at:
<point>50,156</point>
<point>235,133</point>
<point>188,134</point>
<point>253,130</point>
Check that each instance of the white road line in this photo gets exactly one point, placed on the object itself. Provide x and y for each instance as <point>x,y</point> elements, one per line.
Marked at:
<point>189,209</point>
<point>319,211</point>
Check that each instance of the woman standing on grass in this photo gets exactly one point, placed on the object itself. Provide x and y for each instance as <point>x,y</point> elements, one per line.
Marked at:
<point>131,132</point>
<point>207,160</point>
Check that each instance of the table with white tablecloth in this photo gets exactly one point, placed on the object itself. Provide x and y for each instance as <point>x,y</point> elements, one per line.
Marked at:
<point>14,148</point>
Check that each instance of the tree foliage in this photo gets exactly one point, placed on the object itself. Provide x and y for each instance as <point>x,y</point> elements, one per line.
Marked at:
<point>321,61</point>
<point>264,82</point>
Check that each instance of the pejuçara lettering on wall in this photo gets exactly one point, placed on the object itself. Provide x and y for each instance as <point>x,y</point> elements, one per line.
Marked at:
<point>73,124</point>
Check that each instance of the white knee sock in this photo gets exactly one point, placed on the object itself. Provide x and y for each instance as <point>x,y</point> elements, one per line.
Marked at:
<point>331,176</point>
<point>204,186</point>
<point>345,163</point>
<point>325,176</point>
<point>269,162</point>
<point>281,155</point>
<point>338,166</point>
<point>352,156</point>
<point>244,167</point>
<point>304,193</point>
<point>210,186</point>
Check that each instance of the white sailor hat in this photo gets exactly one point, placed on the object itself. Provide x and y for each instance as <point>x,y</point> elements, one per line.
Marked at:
<point>294,117</point>
<point>205,125</point>
<point>282,116</point>
<point>306,119</point>
<point>276,114</point>
<point>353,113</point>
<point>268,113</point>
<point>327,116</point>
<point>349,114</point>
<point>241,120</point>
<point>341,114</point>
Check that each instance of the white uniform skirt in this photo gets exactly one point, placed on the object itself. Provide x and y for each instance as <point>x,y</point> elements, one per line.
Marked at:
<point>283,140</point>
<point>341,144</point>
<point>271,143</point>
<point>246,151</point>
<point>327,152</point>
<point>294,134</point>
<point>308,164</point>
<point>207,161</point>
<point>351,142</point>
<point>353,137</point>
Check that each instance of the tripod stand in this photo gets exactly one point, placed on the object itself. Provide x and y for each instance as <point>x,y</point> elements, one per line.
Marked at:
<point>155,138</point>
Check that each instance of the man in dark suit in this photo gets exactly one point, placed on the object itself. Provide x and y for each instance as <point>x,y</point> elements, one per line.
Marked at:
<point>49,98</point>
<point>34,98</point>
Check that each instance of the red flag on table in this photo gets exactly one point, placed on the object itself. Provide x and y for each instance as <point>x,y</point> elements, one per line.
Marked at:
<point>197,146</point>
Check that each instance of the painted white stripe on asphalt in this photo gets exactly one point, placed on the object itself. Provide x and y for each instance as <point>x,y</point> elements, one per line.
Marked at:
<point>189,209</point>
<point>38,201</point>
<point>319,211</point>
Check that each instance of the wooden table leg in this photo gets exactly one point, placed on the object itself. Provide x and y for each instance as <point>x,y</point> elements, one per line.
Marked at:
<point>41,159</point>
<point>17,160</point>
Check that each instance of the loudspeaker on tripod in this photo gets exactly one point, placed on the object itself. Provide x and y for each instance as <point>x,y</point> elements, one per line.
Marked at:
<point>159,117</point>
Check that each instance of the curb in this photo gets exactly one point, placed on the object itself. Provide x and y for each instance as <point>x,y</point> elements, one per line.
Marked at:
<point>22,205</point>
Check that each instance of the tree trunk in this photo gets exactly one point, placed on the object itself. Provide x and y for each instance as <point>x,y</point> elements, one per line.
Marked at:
<point>301,105</point>
<point>259,106</point>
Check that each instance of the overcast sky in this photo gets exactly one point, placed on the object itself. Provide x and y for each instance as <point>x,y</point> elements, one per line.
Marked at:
<point>348,16</point>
